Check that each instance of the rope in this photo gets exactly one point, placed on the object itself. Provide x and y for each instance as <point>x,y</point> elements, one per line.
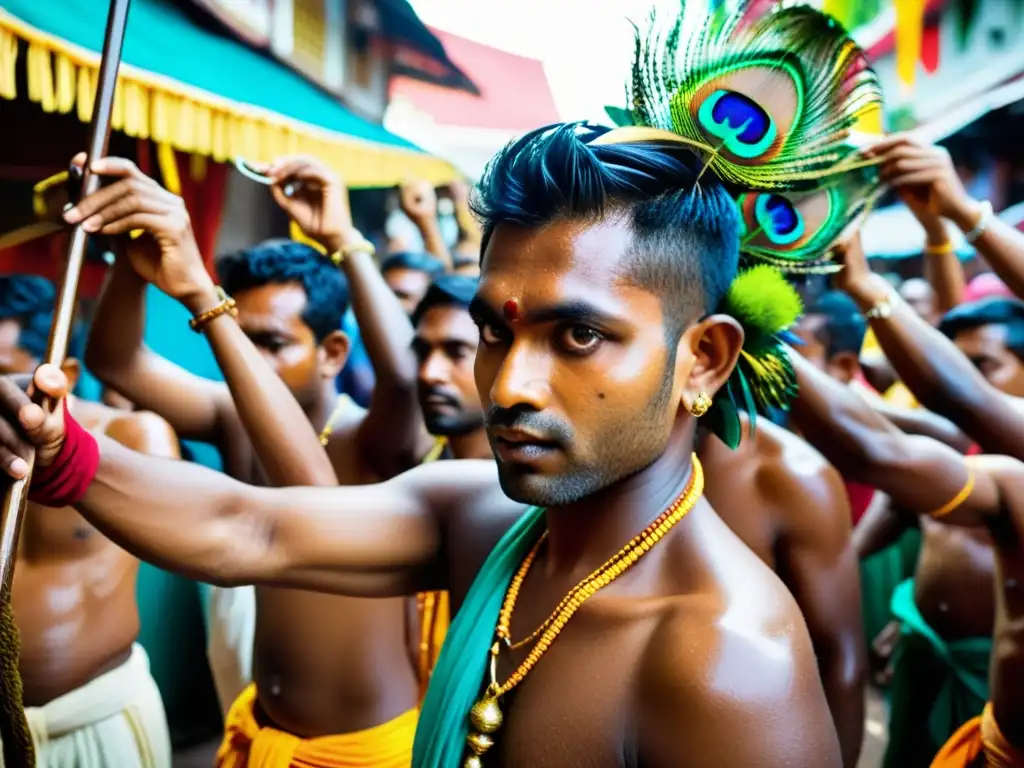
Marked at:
<point>14,731</point>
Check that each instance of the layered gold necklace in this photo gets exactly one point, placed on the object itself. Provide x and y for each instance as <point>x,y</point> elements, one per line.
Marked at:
<point>486,716</point>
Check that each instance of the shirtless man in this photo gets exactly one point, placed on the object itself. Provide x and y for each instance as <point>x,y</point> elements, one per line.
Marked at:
<point>780,496</point>
<point>445,345</point>
<point>947,611</point>
<point>595,345</point>
<point>775,492</point>
<point>323,666</point>
<point>910,469</point>
<point>90,698</point>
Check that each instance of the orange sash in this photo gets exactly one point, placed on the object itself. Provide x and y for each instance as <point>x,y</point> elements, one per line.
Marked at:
<point>977,737</point>
<point>247,745</point>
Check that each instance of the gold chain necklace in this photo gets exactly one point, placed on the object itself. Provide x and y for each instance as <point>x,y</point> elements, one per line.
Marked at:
<point>486,717</point>
<point>325,433</point>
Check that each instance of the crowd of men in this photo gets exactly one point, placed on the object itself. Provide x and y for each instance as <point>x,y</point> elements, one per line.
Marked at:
<point>567,376</point>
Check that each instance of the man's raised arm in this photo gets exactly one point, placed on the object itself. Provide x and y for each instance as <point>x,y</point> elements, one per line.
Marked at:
<point>378,540</point>
<point>168,256</point>
<point>931,366</point>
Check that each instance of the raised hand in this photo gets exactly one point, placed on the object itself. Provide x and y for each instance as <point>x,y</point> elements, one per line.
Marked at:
<point>314,197</point>
<point>25,425</point>
<point>924,177</point>
<point>167,254</point>
<point>418,200</point>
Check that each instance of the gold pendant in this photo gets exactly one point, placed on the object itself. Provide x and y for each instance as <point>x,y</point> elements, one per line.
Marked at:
<point>485,717</point>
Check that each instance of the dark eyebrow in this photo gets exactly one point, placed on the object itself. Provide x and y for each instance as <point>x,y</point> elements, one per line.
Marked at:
<point>579,311</point>
<point>482,312</point>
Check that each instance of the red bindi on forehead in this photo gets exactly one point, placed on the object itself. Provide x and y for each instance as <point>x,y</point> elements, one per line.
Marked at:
<point>511,310</point>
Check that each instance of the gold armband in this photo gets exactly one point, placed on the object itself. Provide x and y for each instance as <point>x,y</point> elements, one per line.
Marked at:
<point>227,305</point>
<point>953,504</point>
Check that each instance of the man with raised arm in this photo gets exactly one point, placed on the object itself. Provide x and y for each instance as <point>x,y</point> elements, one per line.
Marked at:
<point>324,666</point>
<point>89,695</point>
<point>598,338</point>
<point>911,470</point>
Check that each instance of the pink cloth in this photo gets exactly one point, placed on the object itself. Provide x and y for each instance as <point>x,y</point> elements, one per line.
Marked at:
<point>986,286</point>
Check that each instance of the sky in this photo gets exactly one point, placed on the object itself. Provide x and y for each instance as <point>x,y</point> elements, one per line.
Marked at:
<point>586,45</point>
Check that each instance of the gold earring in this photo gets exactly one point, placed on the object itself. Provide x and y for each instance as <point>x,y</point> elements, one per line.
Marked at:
<point>700,405</point>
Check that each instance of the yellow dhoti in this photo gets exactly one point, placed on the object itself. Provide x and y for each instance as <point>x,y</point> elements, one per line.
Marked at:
<point>979,744</point>
<point>247,745</point>
<point>116,720</point>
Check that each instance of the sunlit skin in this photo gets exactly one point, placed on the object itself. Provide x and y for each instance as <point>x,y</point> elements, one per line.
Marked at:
<point>408,285</point>
<point>74,590</point>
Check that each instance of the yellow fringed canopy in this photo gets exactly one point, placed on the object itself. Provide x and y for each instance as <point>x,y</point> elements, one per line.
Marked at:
<point>61,77</point>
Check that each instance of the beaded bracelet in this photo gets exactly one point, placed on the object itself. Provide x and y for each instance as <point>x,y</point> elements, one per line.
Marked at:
<point>227,305</point>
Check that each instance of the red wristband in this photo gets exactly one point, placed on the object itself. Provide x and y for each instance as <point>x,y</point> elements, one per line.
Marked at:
<point>66,480</point>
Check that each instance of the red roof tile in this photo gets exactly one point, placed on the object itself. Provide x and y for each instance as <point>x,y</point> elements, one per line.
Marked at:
<point>515,94</point>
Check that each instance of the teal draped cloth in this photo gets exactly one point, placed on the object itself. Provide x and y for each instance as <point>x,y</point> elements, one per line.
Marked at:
<point>937,685</point>
<point>457,680</point>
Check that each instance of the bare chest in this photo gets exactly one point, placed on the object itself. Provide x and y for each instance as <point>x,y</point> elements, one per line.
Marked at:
<point>576,706</point>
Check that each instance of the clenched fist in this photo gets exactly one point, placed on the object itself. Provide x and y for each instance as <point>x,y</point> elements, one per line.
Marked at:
<point>25,425</point>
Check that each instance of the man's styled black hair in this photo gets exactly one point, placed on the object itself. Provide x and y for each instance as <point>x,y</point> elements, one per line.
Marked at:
<point>288,261</point>
<point>31,300</point>
<point>446,291</point>
<point>418,262</point>
<point>685,225</point>
<point>1001,311</point>
<point>844,328</point>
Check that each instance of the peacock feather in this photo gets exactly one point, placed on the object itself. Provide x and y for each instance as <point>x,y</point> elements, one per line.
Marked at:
<point>765,305</point>
<point>794,230</point>
<point>778,108</point>
<point>776,104</point>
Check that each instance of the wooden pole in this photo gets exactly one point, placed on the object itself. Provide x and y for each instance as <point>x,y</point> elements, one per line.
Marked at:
<point>13,720</point>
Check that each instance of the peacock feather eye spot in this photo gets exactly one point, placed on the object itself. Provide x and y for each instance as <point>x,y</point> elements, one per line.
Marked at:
<point>744,127</point>
<point>779,219</point>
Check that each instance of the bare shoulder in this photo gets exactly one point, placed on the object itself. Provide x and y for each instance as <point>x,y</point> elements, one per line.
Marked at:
<point>1007,473</point>
<point>145,432</point>
<point>343,445</point>
<point>800,483</point>
<point>734,674</point>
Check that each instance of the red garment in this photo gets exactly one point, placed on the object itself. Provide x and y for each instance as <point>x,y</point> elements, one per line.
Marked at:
<point>860,496</point>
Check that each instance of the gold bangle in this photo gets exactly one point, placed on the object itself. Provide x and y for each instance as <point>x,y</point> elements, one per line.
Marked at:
<point>227,305</point>
<point>939,250</point>
<point>954,503</point>
<point>362,246</point>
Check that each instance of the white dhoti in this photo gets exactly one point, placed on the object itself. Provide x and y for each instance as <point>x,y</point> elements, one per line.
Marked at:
<point>116,720</point>
<point>230,632</point>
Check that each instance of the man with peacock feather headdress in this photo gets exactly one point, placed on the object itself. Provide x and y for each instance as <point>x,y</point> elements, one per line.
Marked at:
<point>611,321</point>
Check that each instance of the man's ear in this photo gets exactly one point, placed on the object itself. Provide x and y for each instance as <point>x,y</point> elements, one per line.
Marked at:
<point>844,366</point>
<point>706,356</point>
<point>73,370</point>
<point>334,353</point>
